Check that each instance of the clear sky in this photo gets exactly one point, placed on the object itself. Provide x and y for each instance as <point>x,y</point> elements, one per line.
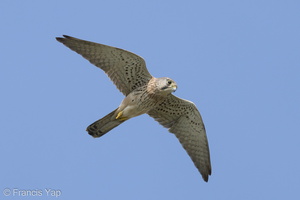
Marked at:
<point>238,61</point>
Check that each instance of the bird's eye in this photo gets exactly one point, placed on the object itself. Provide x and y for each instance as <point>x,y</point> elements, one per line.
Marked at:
<point>169,82</point>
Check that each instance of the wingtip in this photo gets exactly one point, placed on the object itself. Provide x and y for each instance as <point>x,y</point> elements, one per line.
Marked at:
<point>67,36</point>
<point>205,178</point>
<point>205,175</point>
<point>60,39</point>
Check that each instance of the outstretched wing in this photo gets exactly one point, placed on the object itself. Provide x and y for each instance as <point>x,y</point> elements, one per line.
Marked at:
<point>183,119</point>
<point>127,70</point>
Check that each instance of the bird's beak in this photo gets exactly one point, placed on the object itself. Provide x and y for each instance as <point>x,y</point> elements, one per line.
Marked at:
<point>174,87</point>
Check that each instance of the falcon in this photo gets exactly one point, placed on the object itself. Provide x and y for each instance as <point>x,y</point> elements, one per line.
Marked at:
<point>145,94</point>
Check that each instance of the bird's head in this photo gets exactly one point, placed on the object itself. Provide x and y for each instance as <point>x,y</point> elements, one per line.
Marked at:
<point>166,85</point>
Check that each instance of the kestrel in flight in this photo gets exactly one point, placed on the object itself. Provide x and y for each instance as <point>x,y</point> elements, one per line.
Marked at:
<point>145,94</point>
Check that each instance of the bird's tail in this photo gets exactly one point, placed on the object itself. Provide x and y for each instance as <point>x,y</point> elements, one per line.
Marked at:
<point>102,126</point>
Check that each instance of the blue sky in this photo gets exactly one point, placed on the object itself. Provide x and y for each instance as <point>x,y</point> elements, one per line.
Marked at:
<point>238,61</point>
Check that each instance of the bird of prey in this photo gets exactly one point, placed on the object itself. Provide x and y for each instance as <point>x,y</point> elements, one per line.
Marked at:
<point>145,94</point>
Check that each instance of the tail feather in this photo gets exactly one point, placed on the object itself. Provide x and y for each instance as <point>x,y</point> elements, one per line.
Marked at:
<point>104,125</point>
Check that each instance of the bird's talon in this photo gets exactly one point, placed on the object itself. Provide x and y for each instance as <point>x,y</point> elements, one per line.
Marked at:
<point>119,115</point>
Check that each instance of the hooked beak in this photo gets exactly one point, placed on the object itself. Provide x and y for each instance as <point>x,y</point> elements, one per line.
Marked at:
<point>174,87</point>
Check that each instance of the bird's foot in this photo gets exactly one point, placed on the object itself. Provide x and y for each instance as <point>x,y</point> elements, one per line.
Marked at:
<point>119,116</point>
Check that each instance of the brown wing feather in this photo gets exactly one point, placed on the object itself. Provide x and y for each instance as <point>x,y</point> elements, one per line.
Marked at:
<point>127,70</point>
<point>183,119</point>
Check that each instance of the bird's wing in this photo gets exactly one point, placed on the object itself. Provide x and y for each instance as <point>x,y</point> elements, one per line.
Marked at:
<point>127,70</point>
<point>183,119</point>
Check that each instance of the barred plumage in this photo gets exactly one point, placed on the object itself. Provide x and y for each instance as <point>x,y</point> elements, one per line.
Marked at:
<point>145,94</point>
